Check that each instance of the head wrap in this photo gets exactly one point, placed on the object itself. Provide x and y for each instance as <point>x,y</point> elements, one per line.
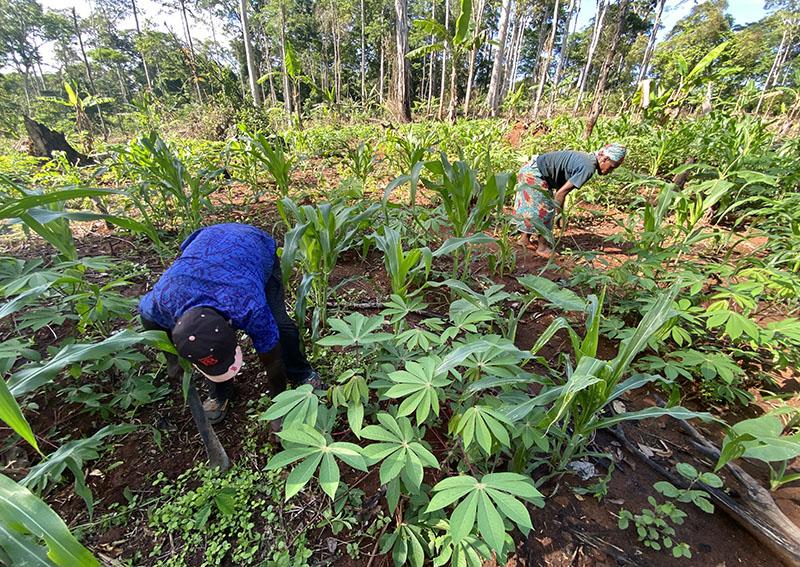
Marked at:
<point>615,152</point>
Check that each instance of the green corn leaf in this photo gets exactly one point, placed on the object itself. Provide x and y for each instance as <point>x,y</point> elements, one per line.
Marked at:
<point>32,376</point>
<point>677,412</point>
<point>562,298</point>
<point>32,516</point>
<point>72,455</point>
<point>11,415</point>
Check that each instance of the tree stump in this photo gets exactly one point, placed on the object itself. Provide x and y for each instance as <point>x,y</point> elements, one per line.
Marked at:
<point>45,141</point>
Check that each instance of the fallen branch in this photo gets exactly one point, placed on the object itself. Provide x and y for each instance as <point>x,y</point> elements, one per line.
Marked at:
<point>755,510</point>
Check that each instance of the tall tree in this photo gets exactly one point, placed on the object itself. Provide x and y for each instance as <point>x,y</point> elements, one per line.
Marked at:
<point>473,54</point>
<point>445,57</point>
<point>600,89</point>
<point>147,77</point>
<point>597,29</point>
<point>563,57</point>
<point>363,68</point>
<point>403,83</point>
<point>287,100</point>
<point>252,71</point>
<point>548,56</point>
<point>495,84</point>
<point>88,69</point>
<point>644,67</point>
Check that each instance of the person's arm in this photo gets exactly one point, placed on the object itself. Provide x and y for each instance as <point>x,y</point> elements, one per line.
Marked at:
<point>272,362</point>
<point>561,194</point>
<point>260,326</point>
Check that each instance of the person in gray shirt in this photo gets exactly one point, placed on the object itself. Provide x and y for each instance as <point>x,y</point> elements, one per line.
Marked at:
<point>535,203</point>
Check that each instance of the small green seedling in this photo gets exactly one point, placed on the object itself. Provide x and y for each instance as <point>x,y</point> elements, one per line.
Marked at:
<point>653,524</point>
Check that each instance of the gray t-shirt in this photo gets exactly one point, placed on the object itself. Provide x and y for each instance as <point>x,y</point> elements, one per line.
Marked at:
<point>559,167</point>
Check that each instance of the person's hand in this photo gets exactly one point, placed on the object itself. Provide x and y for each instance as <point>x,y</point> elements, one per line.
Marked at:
<point>272,362</point>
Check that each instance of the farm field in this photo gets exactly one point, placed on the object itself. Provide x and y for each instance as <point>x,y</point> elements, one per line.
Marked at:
<point>481,283</point>
<point>707,303</point>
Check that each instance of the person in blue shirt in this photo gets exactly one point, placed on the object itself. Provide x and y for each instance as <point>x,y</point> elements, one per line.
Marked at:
<point>227,278</point>
<point>544,183</point>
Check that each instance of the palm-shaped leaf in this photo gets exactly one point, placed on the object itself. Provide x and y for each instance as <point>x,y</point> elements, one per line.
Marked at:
<point>486,501</point>
<point>315,450</point>
<point>483,425</point>
<point>420,384</point>
<point>399,449</point>
<point>355,329</point>
<point>295,406</point>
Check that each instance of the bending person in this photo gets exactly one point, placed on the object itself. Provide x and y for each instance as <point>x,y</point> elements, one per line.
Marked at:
<point>227,278</point>
<point>535,203</point>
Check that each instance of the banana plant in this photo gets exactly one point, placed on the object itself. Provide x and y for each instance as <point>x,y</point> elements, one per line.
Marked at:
<point>458,43</point>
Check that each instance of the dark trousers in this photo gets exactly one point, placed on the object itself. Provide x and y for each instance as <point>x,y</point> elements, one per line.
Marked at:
<point>297,366</point>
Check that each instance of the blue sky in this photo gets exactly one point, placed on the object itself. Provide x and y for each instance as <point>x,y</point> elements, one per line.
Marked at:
<point>743,12</point>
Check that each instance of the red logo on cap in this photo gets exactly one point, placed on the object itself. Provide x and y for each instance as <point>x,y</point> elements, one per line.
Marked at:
<point>208,360</point>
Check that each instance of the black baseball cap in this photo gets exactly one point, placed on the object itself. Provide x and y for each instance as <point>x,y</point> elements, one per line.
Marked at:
<point>204,337</point>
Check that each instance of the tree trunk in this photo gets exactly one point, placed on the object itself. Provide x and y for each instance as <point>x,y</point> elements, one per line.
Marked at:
<point>430,65</point>
<point>89,76</point>
<point>648,52</point>
<point>193,64</point>
<point>473,56</point>
<point>403,91</point>
<point>548,56</point>
<point>123,90</point>
<point>516,54</point>
<point>451,110</point>
<point>287,93</point>
<point>141,54</point>
<point>574,10</point>
<point>381,71</point>
<point>600,90</point>
<point>45,141</point>
<point>446,54</point>
<point>773,70</point>
<point>493,99</point>
<point>602,8</point>
<point>363,59</point>
<point>249,55</point>
<point>268,55</point>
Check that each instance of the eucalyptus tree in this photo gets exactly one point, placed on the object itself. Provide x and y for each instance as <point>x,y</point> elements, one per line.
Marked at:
<point>597,29</point>
<point>495,84</point>
<point>602,81</point>
<point>548,56</point>
<point>402,94</point>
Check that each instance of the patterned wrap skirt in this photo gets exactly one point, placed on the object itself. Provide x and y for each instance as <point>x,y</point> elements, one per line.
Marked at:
<point>533,200</point>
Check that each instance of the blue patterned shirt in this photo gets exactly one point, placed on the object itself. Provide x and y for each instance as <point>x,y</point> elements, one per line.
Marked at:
<point>225,267</point>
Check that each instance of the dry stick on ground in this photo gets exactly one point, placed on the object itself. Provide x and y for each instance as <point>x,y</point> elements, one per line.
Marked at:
<point>755,510</point>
